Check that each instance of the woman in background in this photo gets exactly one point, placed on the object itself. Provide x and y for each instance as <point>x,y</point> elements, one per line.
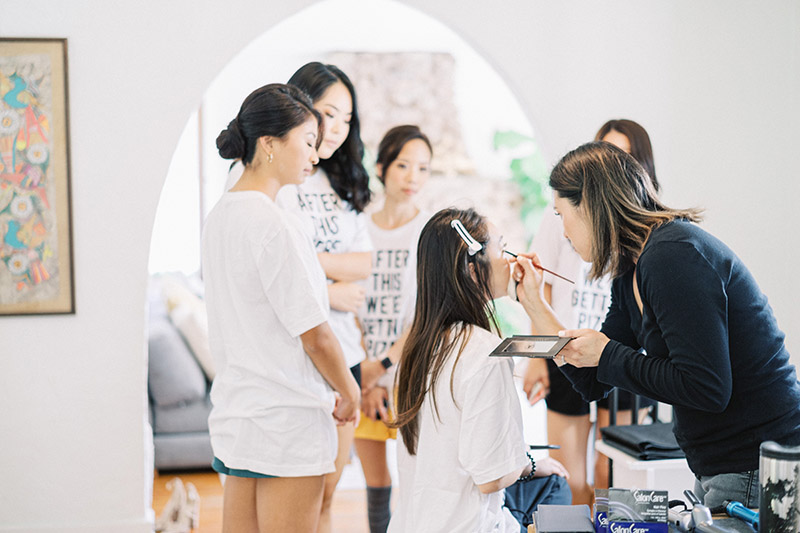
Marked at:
<point>582,305</point>
<point>332,201</point>
<point>403,167</point>
<point>271,427</point>
<point>457,408</point>
<point>680,329</point>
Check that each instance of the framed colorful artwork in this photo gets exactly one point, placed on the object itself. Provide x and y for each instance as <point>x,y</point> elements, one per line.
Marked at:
<point>36,274</point>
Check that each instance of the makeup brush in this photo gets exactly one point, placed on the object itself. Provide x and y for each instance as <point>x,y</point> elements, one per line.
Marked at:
<point>540,267</point>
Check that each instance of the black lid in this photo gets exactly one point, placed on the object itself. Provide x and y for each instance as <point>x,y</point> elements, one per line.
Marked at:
<point>776,451</point>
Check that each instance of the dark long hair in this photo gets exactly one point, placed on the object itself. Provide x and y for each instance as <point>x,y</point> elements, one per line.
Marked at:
<point>619,198</point>
<point>393,142</point>
<point>272,110</point>
<point>344,168</point>
<point>449,291</point>
<point>641,149</point>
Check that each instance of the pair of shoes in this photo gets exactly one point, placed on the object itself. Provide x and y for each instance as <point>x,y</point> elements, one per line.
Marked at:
<point>188,517</point>
<point>176,502</point>
<point>182,512</point>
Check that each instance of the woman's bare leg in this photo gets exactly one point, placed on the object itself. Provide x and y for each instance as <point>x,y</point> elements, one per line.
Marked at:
<point>239,505</point>
<point>372,454</point>
<point>345,433</point>
<point>288,504</point>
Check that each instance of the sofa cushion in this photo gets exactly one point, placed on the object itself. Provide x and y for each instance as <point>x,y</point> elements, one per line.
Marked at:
<point>192,323</point>
<point>156,302</point>
<point>183,418</point>
<point>174,375</point>
<point>176,451</point>
<point>187,310</point>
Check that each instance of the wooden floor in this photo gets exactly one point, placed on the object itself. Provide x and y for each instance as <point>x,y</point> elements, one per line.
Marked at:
<point>349,502</point>
<point>349,506</point>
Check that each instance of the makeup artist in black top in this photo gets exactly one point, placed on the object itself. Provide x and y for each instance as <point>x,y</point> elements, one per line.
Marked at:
<point>713,347</point>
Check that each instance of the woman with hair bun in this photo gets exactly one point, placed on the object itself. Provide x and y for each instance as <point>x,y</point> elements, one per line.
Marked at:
<point>271,427</point>
<point>331,203</point>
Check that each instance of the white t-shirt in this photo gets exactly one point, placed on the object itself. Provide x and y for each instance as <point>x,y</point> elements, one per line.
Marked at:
<point>475,440</point>
<point>584,304</point>
<point>391,288</point>
<point>336,228</point>
<point>264,287</point>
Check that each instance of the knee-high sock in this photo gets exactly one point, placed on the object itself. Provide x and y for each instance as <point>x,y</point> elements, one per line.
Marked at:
<point>378,508</point>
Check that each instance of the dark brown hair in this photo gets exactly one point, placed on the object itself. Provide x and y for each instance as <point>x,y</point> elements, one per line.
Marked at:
<point>272,111</point>
<point>344,168</point>
<point>449,292</point>
<point>619,199</point>
<point>641,149</point>
<point>393,142</point>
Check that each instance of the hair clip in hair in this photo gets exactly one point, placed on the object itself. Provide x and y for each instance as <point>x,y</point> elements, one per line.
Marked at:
<point>473,246</point>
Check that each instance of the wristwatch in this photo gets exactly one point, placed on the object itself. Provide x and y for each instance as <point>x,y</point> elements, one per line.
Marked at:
<point>386,363</point>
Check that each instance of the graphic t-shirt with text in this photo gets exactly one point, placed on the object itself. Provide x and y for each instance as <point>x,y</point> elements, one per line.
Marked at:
<point>336,228</point>
<point>391,287</point>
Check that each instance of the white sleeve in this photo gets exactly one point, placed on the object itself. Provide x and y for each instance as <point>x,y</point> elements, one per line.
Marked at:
<point>289,284</point>
<point>387,382</point>
<point>234,173</point>
<point>287,197</point>
<point>361,241</point>
<point>408,307</point>
<point>491,444</point>
<point>410,279</point>
<point>548,240</point>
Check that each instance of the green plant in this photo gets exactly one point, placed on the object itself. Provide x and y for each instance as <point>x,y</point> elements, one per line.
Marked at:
<point>530,172</point>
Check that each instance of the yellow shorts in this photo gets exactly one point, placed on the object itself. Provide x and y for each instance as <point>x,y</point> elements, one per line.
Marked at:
<point>374,429</point>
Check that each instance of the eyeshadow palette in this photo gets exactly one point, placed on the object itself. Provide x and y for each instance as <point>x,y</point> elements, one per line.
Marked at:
<point>543,346</point>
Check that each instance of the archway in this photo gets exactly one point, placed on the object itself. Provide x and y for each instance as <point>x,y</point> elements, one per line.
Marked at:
<point>477,101</point>
<point>482,104</point>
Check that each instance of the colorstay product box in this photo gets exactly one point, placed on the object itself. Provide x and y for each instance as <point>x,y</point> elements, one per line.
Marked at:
<point>637,511</point>
<point>601,510</point>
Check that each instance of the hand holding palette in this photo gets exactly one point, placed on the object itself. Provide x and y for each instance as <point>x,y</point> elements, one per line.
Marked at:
<point>541,346</point>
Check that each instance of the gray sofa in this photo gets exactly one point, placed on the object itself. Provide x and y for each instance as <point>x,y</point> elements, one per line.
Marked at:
<point>178,393</point>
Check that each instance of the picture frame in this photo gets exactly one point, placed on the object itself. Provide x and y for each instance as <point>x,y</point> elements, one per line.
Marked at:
<point>36,255</point>
<point>539,346</point>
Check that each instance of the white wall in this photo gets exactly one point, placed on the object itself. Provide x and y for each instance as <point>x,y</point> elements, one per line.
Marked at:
<point>175,245</point>
<point>716,84</point>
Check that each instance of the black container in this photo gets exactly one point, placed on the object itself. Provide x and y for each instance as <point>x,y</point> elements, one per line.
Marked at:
<point>779,477</point>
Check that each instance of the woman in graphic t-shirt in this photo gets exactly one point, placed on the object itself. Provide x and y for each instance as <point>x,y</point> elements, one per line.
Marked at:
<point>403,166</point>
<point>331,202</point>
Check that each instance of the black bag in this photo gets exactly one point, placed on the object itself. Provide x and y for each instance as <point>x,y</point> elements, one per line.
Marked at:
<point>644,441</point>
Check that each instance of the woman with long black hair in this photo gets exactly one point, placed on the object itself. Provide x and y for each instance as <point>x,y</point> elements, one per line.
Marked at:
<point>457,408</point>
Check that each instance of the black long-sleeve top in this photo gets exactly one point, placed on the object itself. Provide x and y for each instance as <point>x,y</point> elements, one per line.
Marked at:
<point>713,350</point>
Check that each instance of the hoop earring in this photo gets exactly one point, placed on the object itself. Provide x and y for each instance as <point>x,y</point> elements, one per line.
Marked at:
<point>270,158</point>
